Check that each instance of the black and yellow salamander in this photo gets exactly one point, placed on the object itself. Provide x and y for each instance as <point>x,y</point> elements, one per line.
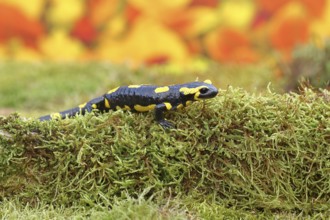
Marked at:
<point>142,98</point>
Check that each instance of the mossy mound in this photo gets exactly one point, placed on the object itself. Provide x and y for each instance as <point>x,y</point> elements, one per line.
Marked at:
<point>266,153</point>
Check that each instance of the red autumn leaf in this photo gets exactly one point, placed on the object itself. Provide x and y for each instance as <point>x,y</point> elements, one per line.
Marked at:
<point>84,30</point>
<point>15,24</point>
<point>260,18</point>
<point>289,33</point>
<point>160,59</point>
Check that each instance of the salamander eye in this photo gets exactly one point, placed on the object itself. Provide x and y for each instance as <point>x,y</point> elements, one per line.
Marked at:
<point>203,90</point>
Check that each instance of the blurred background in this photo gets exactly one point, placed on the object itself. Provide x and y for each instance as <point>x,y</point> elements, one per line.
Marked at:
<point>155,32</point>
<point>225,40</point>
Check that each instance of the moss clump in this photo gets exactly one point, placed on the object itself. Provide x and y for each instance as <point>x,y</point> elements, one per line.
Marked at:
<point>265,153</point>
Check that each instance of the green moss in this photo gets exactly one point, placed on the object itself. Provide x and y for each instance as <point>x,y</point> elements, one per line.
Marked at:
<point>121,210</point>
<point>255,154</point>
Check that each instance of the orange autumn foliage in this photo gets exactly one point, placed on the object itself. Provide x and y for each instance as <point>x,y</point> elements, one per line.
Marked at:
<point>15,24</point>
<point>178,22</point>
<point>289,33</point>
<point>228,45</point>
<point>315,8</point>
<point>157,32</point>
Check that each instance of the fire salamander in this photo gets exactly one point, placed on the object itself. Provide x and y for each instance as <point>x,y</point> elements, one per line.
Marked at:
<point>142,98</point>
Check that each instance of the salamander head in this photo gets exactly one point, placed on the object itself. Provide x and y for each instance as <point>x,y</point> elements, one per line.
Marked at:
<point>199,90</point>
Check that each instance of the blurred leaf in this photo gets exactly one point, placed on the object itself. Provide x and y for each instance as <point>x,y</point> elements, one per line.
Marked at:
<point>84,30</point>
<point>64,13</point>
<point>208,3</point>
<point>147,40</point>
<point>100,11</point>
<point>193,21</point>
<point>15,24</point>
<point>271,6</point>
<point>160,8</point>
<point>160,5</point>
<point>295,30</point>
<point>320,27</point>
<point>229,45</point>
<point>58,45</point>
<point>27,54</point>
<point>33,9</point>
<point>315,8</point>
<point>15,49</point>
<point>289,10</point>
<point>131,13</point>
<point>114,28</point>
<point>238,14</point>
<point>2,52</point>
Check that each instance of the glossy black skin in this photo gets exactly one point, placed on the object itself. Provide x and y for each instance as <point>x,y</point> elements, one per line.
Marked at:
<point>144,95</point>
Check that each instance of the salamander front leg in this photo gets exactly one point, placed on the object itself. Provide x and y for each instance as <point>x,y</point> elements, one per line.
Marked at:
<point>159,116</point>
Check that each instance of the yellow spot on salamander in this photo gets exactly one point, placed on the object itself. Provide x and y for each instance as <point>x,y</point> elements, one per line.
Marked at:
<point>197,95</point>
<point>162,89</point>
<point>126,107</point>
<point>168,105</point>
<point>113,90</point>
<point>94,106</point>
<point>179,106</point>
<point>188,103</point>
<point>141,108</point>
<point>208,81</point>
<point>82,105</point>
<point>191,91</point>
<point>56,116</point>
<point>106,103</point>
<point>134,86</point>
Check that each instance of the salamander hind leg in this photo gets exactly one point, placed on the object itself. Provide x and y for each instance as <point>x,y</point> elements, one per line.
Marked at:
<point>159,116</point>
